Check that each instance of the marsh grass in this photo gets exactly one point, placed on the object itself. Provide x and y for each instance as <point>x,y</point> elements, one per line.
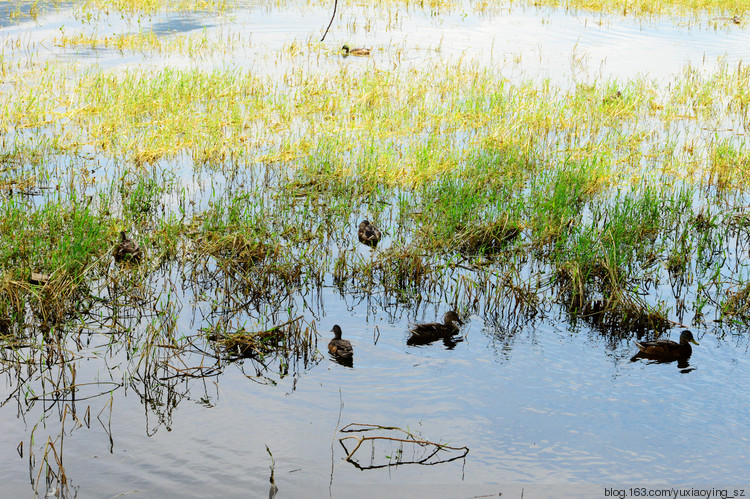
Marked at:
<point>649,8</point>
<point>228,114</point>
<point>641,8</point>
<point>153,6</point>
<point>466,165</point>
<point>547,171</point>
<point>246,189</point>
<point>737,304</point>
<point>489,237</point>
<point>288,342</point>
<point>622,203</point>
<point>148,42</point>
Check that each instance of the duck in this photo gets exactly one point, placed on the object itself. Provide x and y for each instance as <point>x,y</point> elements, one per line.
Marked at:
<point>666,350</point>
<point>368,234</point>
<point>340,348</point>
<point>356,51</point>
<point>127,249</point>
<point>422,334</point>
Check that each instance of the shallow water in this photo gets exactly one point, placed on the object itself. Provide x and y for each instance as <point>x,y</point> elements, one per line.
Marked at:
<point>520,42</point>
<point>545,406</point>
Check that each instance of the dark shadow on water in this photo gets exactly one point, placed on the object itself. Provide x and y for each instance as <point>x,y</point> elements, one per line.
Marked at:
<point>683,364</point>
<point>183,23</point>
<point>344,361</point>
<point>449,342</point>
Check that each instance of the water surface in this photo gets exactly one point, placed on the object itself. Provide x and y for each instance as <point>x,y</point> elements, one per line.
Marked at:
<point>545,405</point>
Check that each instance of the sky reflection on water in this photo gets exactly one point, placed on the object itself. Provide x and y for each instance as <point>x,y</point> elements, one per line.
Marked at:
<point>550,403</point>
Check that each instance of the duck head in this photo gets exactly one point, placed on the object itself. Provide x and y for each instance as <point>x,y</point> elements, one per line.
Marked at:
<point>336,330</point>
<point>687,337</point>
<point>450,317</point>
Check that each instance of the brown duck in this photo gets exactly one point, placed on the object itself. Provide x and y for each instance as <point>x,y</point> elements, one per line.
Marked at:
<point>356,51</point>
<point>368,234</point>
<point>421,334</point>
<point>127,250</point>
<point>339,348</point>
<point>666,350</point>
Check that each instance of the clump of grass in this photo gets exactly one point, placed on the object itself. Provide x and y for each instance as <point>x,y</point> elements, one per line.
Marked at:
<point>557,200</point>
<point>142,193</point>
<point>624,317</point>
<point>67,243</point>
<point>237,248</point>
<point>602,267</point>
<point>730,164</point>
<point>152,6</point>
<point>488,238</point>
<point>737,304</point>
<point>146,41</point>
<point>287,343</point>
<point>679,257</point>
<point>449,206</point>
<point>400,270</point>
<point>13,304</point>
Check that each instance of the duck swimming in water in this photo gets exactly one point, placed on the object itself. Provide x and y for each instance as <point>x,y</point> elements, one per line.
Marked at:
<point>127,249</point>
<point>666,350</point>
<point>368,234</point>
<point>340,348</point>
<point>422,334</point>
<point>360,52</point>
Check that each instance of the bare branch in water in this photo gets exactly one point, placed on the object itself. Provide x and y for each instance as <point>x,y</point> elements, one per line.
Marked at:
<point>335,4</point>
<point>429,449</point>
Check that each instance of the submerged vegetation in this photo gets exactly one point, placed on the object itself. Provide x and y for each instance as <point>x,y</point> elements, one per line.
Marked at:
<point>465,170</point>
<point>621,203</point>
<point>596,196</point>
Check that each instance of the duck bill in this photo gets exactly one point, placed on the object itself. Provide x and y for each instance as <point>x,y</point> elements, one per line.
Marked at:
<point>694,342</point>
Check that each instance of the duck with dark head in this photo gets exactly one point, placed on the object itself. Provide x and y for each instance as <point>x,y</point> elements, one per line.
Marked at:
<point>423,334</point>
<point>666,350</point>
<point>341,349</point>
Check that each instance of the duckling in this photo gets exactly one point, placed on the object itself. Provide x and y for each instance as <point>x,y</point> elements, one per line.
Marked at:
<point>666,350</point>
<point>422,334</point>
<point>127,249</point>
<point>341,349</point>
<point>356,51</point>
<point>368,234</point>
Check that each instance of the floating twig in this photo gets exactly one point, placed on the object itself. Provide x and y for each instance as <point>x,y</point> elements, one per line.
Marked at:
<point>430,449</point>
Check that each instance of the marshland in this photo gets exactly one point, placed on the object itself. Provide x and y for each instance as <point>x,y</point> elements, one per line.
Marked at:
<point>181,185</point>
